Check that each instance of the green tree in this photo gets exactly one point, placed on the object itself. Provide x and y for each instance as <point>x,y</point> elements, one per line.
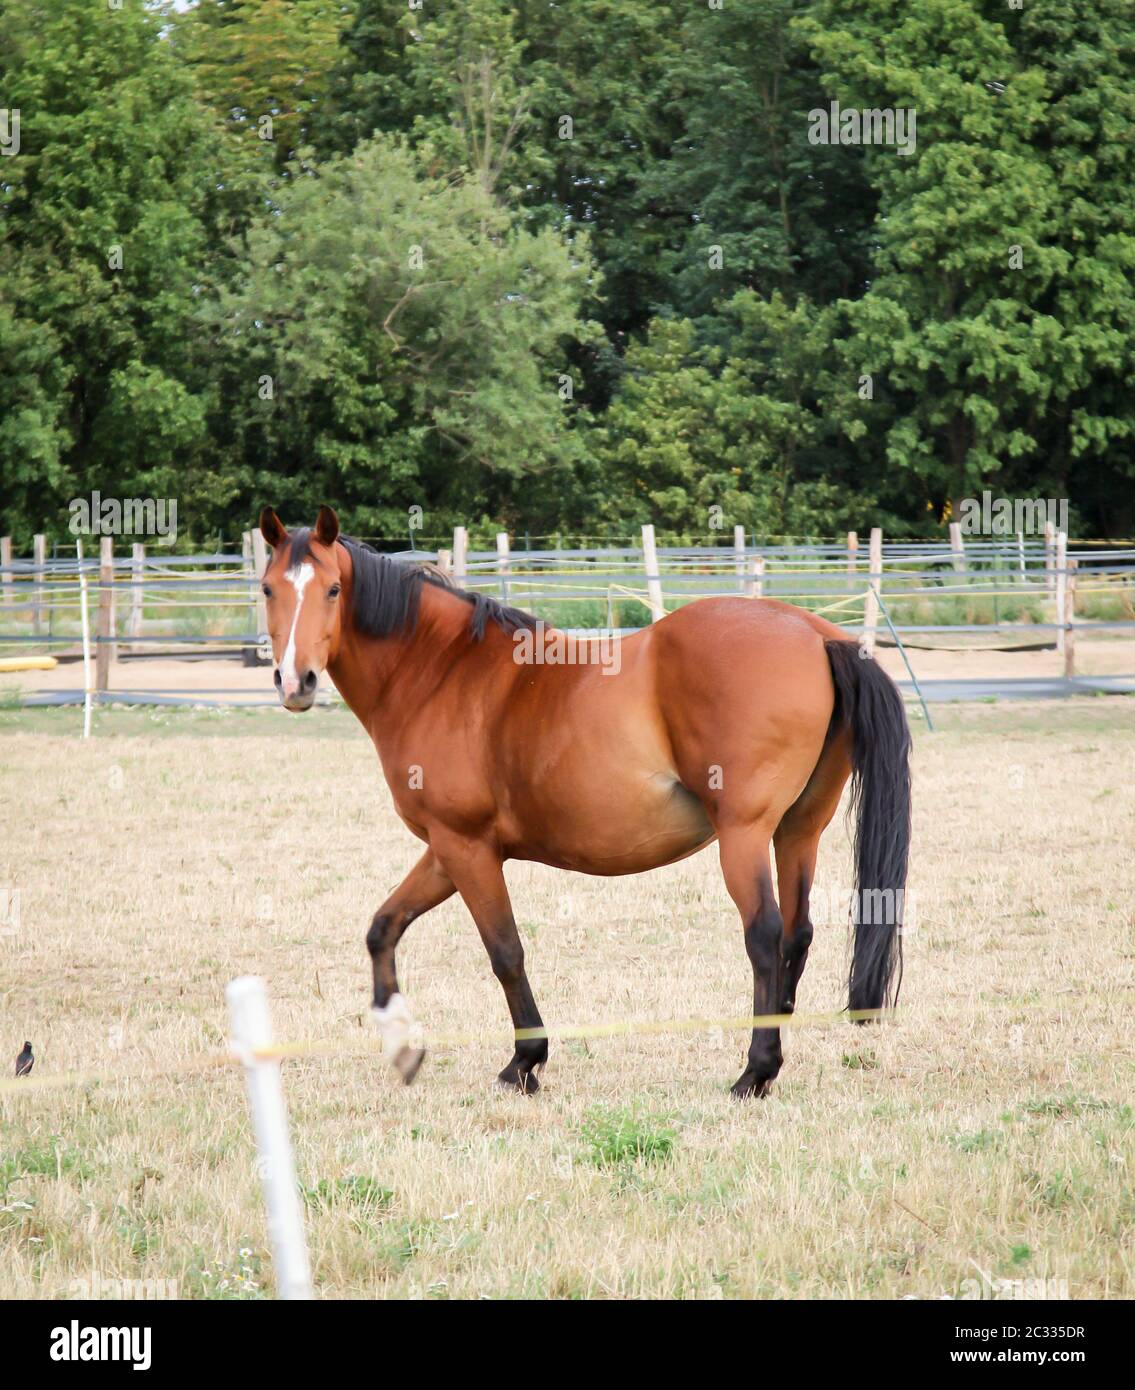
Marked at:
<point>761,206</point>
<point>1088,56</point>
<point>561,108</point>
<point>996,317</point>
<point>703,437</point>
<point>104,214</point>
<point>396,340</point>
<point>263,66</point>
<point>34,439</point>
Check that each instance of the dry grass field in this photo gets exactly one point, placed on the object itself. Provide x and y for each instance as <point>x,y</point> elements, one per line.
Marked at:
<point>984,1136</point>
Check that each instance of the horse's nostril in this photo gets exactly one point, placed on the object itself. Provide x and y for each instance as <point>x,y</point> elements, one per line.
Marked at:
<point>309,681</point>
<point>278,678</point>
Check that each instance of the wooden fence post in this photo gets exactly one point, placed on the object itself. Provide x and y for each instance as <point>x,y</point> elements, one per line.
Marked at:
<point>105,653</point>
<point>958,546</point>
<point>653,578</point>
<point>1061,588</point>
<point>874,589</point>
<point>739,557</point>
<point>852,559</point>
<point>6,564</point>
<point>445,561</point>
<point>460,556</point>
<point>137,578</point>
<point>260,565</point>
<point>503,563</point>
<point>1070,616</point>
<point>39,558</point>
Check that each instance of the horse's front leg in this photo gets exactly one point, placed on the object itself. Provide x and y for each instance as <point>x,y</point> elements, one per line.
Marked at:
<point>425,886</point>
<point>476,869</point>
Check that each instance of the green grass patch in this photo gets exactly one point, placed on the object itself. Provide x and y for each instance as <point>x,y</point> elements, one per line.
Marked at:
<point>361,1195</point>
<point>859,1061</point>
<point>1061,1107</point>
<point>614,1137</point>
<point>49,1159</point>
<point>979,1142</point>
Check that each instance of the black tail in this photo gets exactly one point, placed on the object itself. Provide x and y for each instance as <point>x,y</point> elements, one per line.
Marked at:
<point>870,706</point>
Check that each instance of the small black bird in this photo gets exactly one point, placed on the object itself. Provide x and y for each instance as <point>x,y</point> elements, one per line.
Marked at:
<point>25,1060</point>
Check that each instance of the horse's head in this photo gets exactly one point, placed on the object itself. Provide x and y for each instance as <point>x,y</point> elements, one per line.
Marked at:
<point>302,586</point>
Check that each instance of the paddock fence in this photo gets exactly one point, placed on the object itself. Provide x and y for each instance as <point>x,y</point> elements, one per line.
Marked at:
<point>1011,593</point>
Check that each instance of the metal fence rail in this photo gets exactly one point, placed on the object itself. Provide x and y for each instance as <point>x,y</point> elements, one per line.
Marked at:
<point>1010,589</point>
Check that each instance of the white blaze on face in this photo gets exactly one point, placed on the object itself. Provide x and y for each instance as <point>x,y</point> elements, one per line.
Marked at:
<point>298,576</point>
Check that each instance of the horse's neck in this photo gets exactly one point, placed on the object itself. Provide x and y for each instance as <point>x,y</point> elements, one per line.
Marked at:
<point>382,678</point>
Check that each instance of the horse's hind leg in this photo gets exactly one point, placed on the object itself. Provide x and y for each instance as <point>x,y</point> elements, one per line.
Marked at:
<point>795,869</point>
<point>425,886</point>
<point>748,876</point>
<point>796,843</point>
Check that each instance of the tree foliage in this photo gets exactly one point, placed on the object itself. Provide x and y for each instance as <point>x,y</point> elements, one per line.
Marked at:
<point>396,335</point>
<point>567,266</point>
<point>105,212</point>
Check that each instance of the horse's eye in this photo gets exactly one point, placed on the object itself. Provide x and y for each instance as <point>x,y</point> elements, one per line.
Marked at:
<point>267,590</point>
<point>333,592</point>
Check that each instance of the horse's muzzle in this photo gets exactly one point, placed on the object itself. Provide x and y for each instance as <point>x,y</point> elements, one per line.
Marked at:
<point>297,696</point>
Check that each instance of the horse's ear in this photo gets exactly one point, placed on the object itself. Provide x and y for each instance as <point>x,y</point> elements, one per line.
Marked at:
<point>326,526</point>
<point>272,528</point>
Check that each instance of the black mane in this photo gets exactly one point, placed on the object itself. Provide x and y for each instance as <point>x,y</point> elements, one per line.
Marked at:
<point>387,592</point>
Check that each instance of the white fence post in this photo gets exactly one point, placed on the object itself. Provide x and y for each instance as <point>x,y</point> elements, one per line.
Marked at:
<point>653,578</point>
<point>502,563</point>
<point>260,564</point>
<point>874,588</point>
<point>1049,556</point>
<point>86,627</point>
<point>252,1033</point>
<point>39,560</point>
<point>460,556</point>
<point>137,580</point>
<point>739,556</point>
<point>1061,588</point>
<point>755,584</point>
<point>248,654</point>
<point>958,546</point>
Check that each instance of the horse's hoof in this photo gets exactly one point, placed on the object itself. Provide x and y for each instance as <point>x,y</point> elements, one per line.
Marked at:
<point>750,1087</point>
<point>407,1061</point>
<point>517,1079</point>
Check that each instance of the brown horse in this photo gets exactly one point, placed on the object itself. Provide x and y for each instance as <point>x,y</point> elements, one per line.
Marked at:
<point>732,720</point>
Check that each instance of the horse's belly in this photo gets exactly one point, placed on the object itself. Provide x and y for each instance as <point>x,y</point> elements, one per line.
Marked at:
<point>624,829</point>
